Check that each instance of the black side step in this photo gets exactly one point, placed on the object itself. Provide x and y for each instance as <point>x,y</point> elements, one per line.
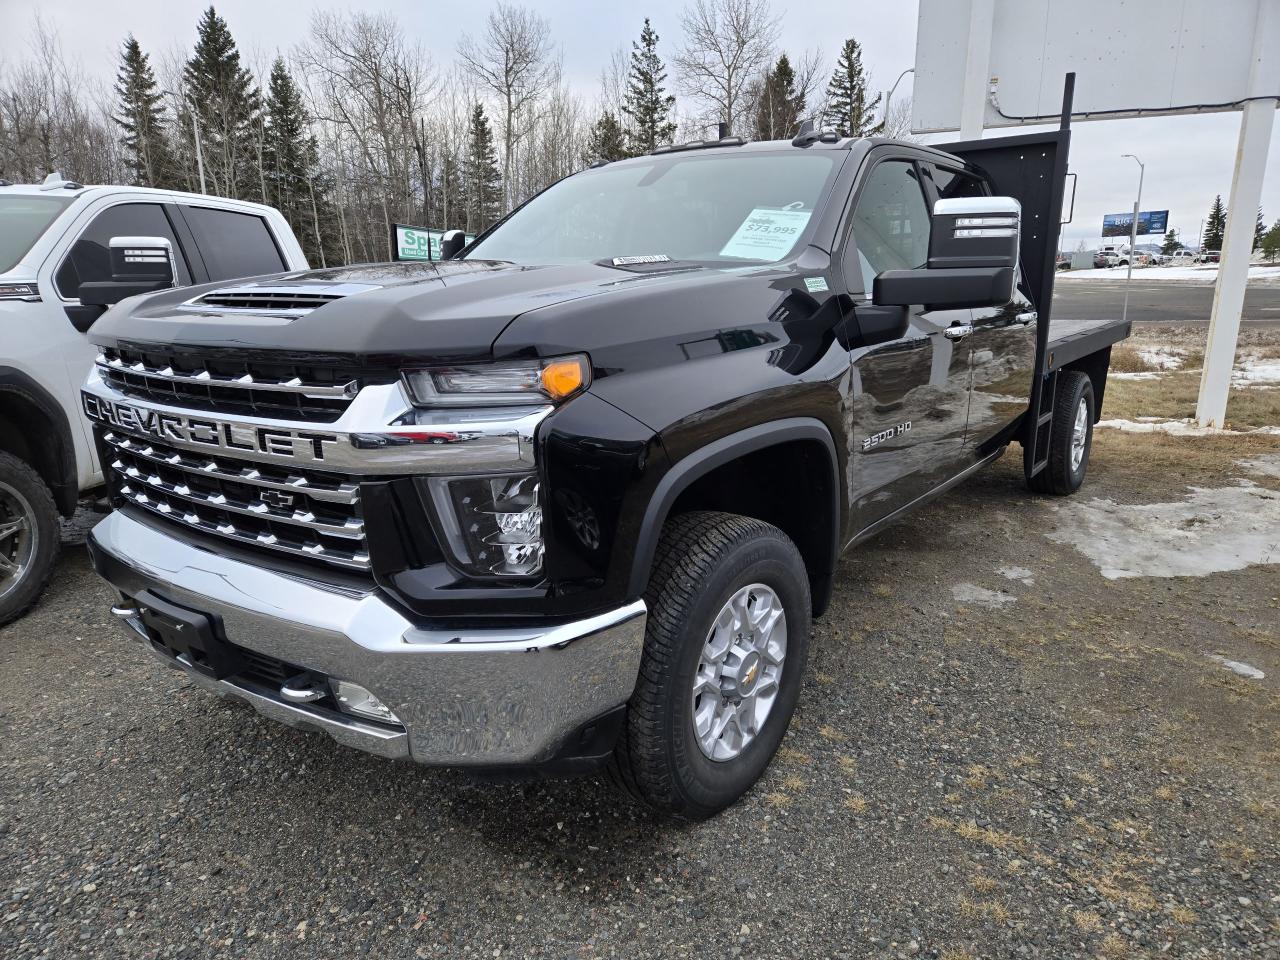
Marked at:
<point>1037,451</point>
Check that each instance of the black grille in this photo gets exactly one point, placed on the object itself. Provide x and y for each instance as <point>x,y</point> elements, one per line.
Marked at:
<point>232,386</point>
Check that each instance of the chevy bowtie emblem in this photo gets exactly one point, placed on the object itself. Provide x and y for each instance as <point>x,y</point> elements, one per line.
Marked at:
<point>276,498</point>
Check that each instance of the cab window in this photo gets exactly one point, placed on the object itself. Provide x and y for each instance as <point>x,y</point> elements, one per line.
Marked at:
<point>233,244</point>
<point>954,184</point>
<point>890,222</point>
<point>89,260</point>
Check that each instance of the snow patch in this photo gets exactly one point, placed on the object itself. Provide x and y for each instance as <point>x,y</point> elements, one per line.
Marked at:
<point>1021,574</point>
<point>1138,375</point>
<point>1245,670</point>
<point>1267,465</point>
<point>1213,530</point>
<point>1256,373</point>
<point>1178,428</point>
<point>1206,274</point>
<point>1164,358</point>
<point>971,593</point>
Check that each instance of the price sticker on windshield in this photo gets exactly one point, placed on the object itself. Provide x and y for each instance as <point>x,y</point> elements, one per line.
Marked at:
<point>766,234</point>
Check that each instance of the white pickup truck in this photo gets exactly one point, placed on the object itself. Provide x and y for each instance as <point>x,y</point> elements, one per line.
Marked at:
<point>56,280</point>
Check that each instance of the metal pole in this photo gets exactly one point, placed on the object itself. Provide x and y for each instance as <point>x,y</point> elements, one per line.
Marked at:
<point>1133,233</point>
<point>195,128</point>
<point>1256,123</point>
<point>889,96</point>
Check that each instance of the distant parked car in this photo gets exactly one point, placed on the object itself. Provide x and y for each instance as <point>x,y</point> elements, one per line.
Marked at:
<point>1210,256</point>
<point>1183,257</point>
<point>1099,260</point>
<point>1064,262</point>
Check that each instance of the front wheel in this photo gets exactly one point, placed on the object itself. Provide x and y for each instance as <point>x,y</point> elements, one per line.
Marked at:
<point>725,650</point>
<point>1070,437</point>
<point>29,537</point>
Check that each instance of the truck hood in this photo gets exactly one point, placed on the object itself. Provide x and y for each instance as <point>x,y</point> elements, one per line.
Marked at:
<point>372,314</point>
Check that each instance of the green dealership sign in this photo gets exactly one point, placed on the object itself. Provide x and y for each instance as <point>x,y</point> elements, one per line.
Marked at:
<point>418,243</point>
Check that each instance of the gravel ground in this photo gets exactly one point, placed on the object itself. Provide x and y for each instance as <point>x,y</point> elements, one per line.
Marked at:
<point>1048,766</point>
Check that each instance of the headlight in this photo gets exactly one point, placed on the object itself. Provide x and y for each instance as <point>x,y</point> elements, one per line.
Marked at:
<point>493,525</point>
<point>505,383</point>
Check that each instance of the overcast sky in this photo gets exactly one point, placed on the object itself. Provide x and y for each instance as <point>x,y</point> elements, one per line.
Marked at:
<point>1188,159</point>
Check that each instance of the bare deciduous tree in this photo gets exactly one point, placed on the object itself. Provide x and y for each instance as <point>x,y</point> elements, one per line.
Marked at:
<point>512,58</point>
<point>728,45</point>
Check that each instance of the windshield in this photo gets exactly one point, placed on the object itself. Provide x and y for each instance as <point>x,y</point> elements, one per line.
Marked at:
<point>22,220</point>
<point>741,207</point>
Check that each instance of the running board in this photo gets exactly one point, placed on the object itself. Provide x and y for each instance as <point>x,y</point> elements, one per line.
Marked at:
<point>965,474</point>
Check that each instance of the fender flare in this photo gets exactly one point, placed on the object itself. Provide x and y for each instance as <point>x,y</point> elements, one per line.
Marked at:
<point>64,484</point>
<point>715,454</point>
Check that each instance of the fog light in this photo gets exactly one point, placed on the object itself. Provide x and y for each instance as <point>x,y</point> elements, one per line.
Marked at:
<point>357,701</point>
<point>493,525</point>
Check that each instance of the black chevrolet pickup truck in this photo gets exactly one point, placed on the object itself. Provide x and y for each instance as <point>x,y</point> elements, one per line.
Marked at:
<point>572,497</point>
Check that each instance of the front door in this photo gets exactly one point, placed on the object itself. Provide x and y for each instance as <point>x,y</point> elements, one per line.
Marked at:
<point>909,398</point>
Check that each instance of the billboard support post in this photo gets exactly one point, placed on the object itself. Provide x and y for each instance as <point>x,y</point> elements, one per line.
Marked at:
<point>1133,233</point>
<point>1256,124</point>
<point>977,67</point>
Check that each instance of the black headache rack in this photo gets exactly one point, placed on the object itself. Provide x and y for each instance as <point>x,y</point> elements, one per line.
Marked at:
<point>1032,168</point>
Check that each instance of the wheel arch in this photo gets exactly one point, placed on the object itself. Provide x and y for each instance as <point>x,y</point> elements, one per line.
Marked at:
<point>34,428</point>
<point>708,478</point>
<point>1094,366</point>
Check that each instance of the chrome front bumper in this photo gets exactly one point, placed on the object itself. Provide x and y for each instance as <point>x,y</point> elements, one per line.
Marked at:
<point>475,698</point>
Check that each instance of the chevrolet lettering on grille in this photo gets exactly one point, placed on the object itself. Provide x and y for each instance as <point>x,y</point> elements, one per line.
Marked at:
<point>302,446</point>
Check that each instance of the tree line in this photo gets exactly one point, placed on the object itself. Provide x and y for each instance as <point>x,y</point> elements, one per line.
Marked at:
<point>357,128</point>
<point>1265,240</point>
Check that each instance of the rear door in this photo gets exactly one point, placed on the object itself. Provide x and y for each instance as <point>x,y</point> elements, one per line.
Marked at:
<point>1002,347</point>
<point>909,397</point>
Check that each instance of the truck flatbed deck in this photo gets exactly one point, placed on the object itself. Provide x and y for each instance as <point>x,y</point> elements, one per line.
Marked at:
<point>1070,338</point>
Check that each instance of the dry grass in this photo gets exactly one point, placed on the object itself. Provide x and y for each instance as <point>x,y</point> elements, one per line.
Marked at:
<point>1125,358</point>
<point>990,909</point>
<point>848,765</point>
<point>1086,920</point>
<point>1116,946</point>
<point>983,883</point>
<point>1174,395</point>
<point>792,755</point>
<point>793,783</point>
<point>777,799</point>
<point>968,830</point>
<point>827,732</point>
<point>1183,915</point>
<point>856,802</point>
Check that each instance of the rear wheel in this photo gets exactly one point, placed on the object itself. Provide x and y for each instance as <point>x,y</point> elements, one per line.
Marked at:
<point>29,537</point>
<point>1071,436</point>
<point>725,649</point>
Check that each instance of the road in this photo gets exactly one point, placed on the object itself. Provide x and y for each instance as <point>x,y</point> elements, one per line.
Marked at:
<point>1165,302</point>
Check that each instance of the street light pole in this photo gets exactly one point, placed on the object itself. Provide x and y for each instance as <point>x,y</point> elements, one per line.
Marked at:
<point>889,96</point>
<point>1133,232</point>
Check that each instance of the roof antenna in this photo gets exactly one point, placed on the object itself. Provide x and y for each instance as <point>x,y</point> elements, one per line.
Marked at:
<point>809,133</point>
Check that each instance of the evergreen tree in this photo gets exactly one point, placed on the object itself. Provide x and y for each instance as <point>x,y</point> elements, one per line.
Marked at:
<point>222,95</point>
<point>481,175</point>
<point>647,103</point>
<point>291,166</point>
<point>1259,229</point>
<point>1215,226</point>
<point>1271,242</point>
<point>606,140</point>
<point>849,112</point>
<point>1171,243</point>
<point>780,104</point>
<point>142,119</point>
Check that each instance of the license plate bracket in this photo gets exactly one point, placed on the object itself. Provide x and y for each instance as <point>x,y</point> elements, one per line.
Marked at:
<point>191,634</point>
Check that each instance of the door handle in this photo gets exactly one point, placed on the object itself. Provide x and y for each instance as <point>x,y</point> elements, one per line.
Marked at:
<point>1026,318</point>
<point>958,331</point>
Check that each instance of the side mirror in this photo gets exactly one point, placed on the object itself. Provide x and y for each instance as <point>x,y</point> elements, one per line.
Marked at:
<point>973,258</point>
<point>451,244</point>
<point>138,265</point>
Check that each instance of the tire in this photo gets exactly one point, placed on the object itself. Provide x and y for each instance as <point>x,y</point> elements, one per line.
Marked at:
<point>27,553</point>
<point>1065,473</point>
<point>705,561</point>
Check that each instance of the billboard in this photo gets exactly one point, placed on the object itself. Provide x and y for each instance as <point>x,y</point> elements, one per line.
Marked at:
<point>418,243</point>
<point>1149,221</point>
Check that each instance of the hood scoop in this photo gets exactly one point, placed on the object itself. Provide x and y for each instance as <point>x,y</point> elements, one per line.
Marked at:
<point>274,299</point>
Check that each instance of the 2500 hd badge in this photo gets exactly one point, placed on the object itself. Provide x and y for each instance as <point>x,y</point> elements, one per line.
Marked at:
<point>884,435</point>
<point>183,430</point>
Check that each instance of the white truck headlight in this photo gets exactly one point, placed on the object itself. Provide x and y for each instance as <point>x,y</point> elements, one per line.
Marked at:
<point>492,525</point>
